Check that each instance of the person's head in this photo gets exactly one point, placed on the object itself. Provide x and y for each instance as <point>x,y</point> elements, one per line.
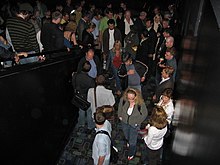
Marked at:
<point>167,95</point>
<point>127,59</point>
<point>68,2</point>
<point>149,22</point>
<point>158,117</point>
<point>143,15</point>
<point>99,118</point>
<point>97,14</point>
<point>56,17</point>
<point>117,45</point>
<point>78,7</point>
<point>167,32</point>
<point>167,72</point>
<point>111,24</point>
<point>25,9</point>
<point>123,5</point>
<point>158,18</point>
<point>66,16</point>
<point>59,7</point>
<point>89,54</point>
<point>100,80</point>
<point>156,10</point>
<point>127,14</point>
<point>86,16</point>
<point>165,23</point>
<point>70,26</point>
<point>133,96</point>
<point>170,53</point>
<point>109,5</point>
<point>109,13</point>
<point>169,42</point>
<point>144,34</point>
<point>91,27</point>
<point>86,66</point>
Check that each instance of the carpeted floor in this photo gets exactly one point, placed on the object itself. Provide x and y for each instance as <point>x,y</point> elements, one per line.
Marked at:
<point>78,150</point>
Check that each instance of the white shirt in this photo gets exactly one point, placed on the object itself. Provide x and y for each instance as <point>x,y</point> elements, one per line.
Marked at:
<point>164,79</point>
<point>127,26</point>
<point>96,31</point>
<point>154,138</point>
<point>169,109</point>
<point>103,97</point>
<point>102,144</point>
<point>130,110</point>
<point>111,38</point>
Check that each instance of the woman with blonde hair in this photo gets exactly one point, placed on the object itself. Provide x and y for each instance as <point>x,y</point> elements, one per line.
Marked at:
<point>157,129</point>
<point>132,112</point>
<point>114,62</point>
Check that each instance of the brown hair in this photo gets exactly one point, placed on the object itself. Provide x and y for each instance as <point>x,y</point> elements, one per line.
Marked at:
<point>172,51</point>
<point>169,70</point>
<point>158,117</point>
<point>138,98</point>
<point>99,118</point>
<point>168,92</point>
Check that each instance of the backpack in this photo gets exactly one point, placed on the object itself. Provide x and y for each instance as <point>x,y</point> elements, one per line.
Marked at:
<point>114,151</point>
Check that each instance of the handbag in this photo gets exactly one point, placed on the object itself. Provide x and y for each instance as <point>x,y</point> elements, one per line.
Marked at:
<point>106,109</point>
<point>114,151</point>
<point>78,100</point>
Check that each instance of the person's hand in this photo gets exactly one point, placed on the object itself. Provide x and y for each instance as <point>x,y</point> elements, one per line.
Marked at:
<point>17,59</point>
<point>120,118</point>
<point>42,58</point>
<point>131,71</point>
<point>162,65</point>
<point>154,97</point>
<point>22,54</point>
<point>142,79</point>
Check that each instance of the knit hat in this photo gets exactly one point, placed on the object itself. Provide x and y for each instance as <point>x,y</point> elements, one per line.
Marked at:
<point>26,7</point>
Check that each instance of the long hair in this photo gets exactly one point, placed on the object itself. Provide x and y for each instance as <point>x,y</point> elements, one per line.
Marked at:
<point>158,117</point>
<point>138,98</point>
<point>117,42</point>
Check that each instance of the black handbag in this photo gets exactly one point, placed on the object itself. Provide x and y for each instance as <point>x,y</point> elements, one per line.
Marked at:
<point>78,100</point>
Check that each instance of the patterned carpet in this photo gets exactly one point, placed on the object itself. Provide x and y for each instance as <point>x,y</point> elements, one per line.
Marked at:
<point>78,150</point>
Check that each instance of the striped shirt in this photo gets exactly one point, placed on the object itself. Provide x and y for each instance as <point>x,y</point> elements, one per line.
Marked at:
<point>23,35</point>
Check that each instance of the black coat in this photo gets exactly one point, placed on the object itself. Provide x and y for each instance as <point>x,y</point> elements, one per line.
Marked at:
<point>52,37</point>
<point>161,87</point>
<point>82,82</point>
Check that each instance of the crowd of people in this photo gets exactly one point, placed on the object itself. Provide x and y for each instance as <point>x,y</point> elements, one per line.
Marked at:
<point>133,48</point>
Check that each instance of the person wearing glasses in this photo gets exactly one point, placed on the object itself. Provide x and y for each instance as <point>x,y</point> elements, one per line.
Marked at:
<point>132,112</point>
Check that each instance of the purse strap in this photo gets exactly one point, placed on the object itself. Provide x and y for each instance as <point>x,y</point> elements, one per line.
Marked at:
<point>106,133</point>
<point>95,97</point>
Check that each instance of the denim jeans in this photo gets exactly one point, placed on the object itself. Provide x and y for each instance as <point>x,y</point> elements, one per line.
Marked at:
<point>131,134</point>
<point>29,60</point>
<point>117,79</point>
<point>86,115</point>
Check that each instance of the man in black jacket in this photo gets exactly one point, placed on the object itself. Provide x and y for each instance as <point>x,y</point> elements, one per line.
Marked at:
<point>96,68</point>
<point>52,36</point>
<point>82,82</point>
<point>165,83</point>
<point>132,72</point>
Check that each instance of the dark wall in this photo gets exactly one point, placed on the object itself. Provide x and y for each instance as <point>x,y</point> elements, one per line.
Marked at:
<point>36,116</point>
<point>197,138</point>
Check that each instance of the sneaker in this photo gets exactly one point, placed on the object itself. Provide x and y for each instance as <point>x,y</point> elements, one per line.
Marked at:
<point>130,157</point>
